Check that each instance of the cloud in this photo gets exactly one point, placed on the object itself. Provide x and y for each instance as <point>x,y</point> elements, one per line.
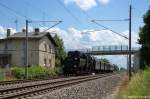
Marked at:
<point>86,4</point>
<point>104,2</point>
<point>83,4</point>
<point>3,31</point>
<point>30,28</point>
<point>75,39</point>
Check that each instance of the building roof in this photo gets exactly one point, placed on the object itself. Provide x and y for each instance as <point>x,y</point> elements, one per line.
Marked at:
<point>31,35</point>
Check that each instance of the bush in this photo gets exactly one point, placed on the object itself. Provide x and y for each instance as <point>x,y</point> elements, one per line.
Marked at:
<point>138,86</point>
<point>1,74</point>
<point>58,70</point>
<point>36,72</point>
<point>18,72</point>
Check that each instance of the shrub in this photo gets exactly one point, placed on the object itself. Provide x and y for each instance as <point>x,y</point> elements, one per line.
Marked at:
<point>138,86</point>
<point>1,74</point>
<point>36,72</point>
<point>55,71</point>
<point>58,70</point>
<point>18,72</point>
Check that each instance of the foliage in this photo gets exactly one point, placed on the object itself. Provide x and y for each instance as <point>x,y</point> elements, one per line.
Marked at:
<point>116,67</point>
<point>105,60</point>
<point>122,69</point>
<point>18,72</point>
<point>138,86</point>
<point>60,51</point>
<point>35,72</point>
<point>145,41</point>
<point>1,74</point>
<point>55,71</point>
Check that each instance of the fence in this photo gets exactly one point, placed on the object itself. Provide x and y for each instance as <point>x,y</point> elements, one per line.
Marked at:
<point>113,48</point>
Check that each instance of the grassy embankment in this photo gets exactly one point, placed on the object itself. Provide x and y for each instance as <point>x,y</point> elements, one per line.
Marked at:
<point>137,88</point>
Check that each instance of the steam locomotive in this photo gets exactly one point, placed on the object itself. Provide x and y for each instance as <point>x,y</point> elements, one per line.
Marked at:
<point>80,63</point>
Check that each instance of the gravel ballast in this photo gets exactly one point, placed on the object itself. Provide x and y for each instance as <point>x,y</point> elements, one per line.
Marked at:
<point>95,89</point>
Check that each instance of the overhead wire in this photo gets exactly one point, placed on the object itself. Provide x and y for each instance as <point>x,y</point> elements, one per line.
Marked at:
<point>110,29</point>
<point>70,13</point>
<point>39,10</point>
<point>105,26</point>
<point>4,15</point>
<point>43,21</point>
<point>33,6</point>
<point>114,20</point>
<point>14,11</point>
<point>22,15</point>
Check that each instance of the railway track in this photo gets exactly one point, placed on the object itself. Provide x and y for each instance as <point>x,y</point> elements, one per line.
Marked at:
<point>29,89</point>
<point>3,83</point>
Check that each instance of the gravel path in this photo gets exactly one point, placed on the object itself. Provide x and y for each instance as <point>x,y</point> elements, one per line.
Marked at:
<point>95,89</point>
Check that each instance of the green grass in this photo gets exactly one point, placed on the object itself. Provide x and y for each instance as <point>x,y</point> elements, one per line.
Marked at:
<point>137,87</point>
<point>1,74</point>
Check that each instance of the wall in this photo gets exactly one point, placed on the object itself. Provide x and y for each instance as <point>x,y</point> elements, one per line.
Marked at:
<point>48,54</point>
<point>16,48</point>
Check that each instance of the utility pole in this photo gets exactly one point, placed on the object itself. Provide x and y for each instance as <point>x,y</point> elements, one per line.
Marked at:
<point>130,18</point>
<point>26,51</point>
<point>26,41</point>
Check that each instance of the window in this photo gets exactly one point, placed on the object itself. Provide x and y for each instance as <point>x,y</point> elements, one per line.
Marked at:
<point>50,62</point>
<point>23,45</point>
<point>45,62</point>
<point>45,47</point>
<point>50,48</point>
<point>6,45</point>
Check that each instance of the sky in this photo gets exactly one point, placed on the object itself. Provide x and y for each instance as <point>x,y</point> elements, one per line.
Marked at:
<point>76,16</point>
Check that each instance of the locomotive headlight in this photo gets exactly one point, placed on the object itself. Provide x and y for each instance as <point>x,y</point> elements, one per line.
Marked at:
<point>74,66</point>
<point>75,58</point>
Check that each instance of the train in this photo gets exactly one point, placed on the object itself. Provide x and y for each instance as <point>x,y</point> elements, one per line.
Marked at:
<point>80,63</point>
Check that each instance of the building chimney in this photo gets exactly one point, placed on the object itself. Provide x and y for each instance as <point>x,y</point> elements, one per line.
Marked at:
<point>36,30</point>
<point>23,30</point>
<point>8,32</point>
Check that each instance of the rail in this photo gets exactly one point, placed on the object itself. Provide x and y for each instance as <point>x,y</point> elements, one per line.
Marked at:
<point>26,90</point>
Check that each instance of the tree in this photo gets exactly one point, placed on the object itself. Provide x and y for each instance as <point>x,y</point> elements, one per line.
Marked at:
<point>116,67</point>
<point>105,60</point>
<point>122,69</point>
<point>144,40</point>
<point>60,50</point>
